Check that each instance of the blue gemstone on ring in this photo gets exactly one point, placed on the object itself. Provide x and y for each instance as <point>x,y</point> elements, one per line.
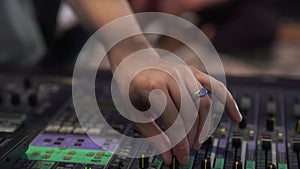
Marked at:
<point>203,92</point>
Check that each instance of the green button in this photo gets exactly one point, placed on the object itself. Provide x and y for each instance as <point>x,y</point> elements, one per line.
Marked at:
<point>282,166</point>
<point>219,163</point>
<point>250,165</point>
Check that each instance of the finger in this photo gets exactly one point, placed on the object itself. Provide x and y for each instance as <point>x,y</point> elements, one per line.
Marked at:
<point>204,121</point>
<point>176,93</point>
<point>149,130</point>
<point>176,131</point>
<point>219,89</point>
<point>174,124</point>
<point>204,104</point>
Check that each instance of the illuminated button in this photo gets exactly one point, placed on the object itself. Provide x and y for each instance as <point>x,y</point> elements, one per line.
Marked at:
<point>298,126</point>
<point>52,128</point>
<point>90,154</point>
<point>205,164</point>
<point>223,131</point>
<point>237,165</point>
<point>101,153</point>
<point>174,164</point>
<point>67,157</point>
<point>271,166</point>
<point>251,133</point>
<point>71,152</point>
<point>50,151</point>
<point>78,130</point>
<point>98,156</point>
<point>46,156</point>
<point>94,131</point>
<point>36,153</point>
<point>66,129</point>
<point>280,135</point>
<point>9,129</point>
<point>144,162</point>
<point>63,147</point>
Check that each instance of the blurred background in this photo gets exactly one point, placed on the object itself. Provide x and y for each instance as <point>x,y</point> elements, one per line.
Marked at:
<point>253,37</point>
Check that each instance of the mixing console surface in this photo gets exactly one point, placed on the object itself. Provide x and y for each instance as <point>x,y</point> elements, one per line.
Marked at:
<point>26,105</point>
<point>267,138</point>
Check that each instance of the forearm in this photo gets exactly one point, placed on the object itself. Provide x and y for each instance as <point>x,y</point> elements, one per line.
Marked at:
<point>94,14</point>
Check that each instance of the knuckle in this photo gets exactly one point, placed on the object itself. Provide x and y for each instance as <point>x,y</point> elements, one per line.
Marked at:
<point>182,146</point>
<point>153,84</point>
<point>142,83</point>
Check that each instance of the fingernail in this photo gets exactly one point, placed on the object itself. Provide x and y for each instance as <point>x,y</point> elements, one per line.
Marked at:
<point>240,117</point>
<point>186,159</point>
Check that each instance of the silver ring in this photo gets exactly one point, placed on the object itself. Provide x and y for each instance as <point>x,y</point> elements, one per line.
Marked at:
<point>200,93</point>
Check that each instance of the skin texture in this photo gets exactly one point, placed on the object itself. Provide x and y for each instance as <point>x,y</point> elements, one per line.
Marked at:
<point>95,13</point>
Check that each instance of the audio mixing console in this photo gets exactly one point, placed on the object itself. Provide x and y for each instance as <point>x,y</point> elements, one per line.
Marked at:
<point>267,138</point>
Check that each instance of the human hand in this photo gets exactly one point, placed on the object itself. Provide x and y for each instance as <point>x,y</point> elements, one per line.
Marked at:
<point>153,79</point>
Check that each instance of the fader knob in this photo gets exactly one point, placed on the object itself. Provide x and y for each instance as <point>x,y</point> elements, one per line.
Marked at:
<point>271,123</point>
<point>144,162</point>
<point>266,144</point>
<point>271,166</point>
<point>296,144</point>
<point>236,142</point>
<point>174,164</point>
<point>208,141</point>
<point>237,165</point>
<point>205,164</point>
<point>243,123</point>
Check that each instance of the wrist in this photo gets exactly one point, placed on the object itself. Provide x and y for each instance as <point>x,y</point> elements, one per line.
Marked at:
<point>125,48</point>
